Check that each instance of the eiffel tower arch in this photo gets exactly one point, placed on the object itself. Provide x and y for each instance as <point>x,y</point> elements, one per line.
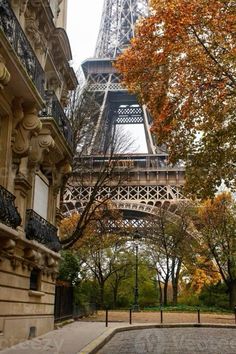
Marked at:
<point>150,180</point>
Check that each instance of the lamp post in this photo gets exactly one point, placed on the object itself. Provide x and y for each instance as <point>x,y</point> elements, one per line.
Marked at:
<point>136,290</point>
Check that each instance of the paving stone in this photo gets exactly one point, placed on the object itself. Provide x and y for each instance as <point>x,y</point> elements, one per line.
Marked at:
<point>173,341</point>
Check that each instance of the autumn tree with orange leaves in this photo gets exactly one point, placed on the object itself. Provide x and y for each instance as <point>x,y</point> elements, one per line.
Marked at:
<point>181,64</point>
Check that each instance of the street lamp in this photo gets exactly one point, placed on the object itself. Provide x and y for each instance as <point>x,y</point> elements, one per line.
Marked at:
<point>136,290</point>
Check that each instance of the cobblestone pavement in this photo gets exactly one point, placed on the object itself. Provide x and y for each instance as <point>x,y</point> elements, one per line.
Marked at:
<point>173,341</point>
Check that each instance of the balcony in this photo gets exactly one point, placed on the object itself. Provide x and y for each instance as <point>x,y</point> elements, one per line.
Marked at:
<point>40,230</point>
<point>19,42</point>
<point>53,109</point>
<point>9,214</point>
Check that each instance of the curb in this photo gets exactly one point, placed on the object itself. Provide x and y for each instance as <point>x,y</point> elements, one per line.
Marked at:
<point>100,341</point>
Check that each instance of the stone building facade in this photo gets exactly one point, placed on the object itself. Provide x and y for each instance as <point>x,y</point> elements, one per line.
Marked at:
<point>35,155</point>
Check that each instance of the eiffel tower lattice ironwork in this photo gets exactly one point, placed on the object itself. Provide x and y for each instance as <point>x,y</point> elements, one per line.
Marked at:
<point>152,181</point>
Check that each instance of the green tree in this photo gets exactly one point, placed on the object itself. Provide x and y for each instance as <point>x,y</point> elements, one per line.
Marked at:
<point>101,253</point>
<point>70,267</point>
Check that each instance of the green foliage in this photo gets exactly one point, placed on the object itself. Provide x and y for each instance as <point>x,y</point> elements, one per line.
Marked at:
<point>215,295</point>
<point>148,293</point>
<point>189,299</point>
<point>69,268</point>
<point>86,292</point>
<point>187,308</point>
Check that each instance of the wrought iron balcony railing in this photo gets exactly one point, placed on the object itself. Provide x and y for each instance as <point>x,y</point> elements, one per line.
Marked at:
<point>18,40</point>
<point>39,229</point>
<point>9,214</point>
<point>54,109</point>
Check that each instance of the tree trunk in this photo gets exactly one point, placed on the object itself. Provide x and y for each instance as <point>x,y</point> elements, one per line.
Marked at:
<point>160,290</point>
<point>175,282</point>
<point>115,292</point>
<point>101,288</point>
<point>166,292</point>
<point>232,294</point>
<point>175,293</point>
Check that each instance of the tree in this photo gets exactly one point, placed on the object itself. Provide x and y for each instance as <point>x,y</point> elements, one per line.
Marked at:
<point>181,64</point>
<point>82,111</point>
<point>217,219</point>
<point>102,256</point>
<point>199,276</point>
<point>105,174</point>
<point>169,246</point>
<point>70,267</point>
<point>120,274</point>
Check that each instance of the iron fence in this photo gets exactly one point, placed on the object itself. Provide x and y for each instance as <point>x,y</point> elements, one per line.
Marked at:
<point>19,42</point>
<point>9,214</point>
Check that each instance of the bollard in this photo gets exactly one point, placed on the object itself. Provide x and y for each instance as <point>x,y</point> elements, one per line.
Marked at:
<point>198,315</point>
<point>106,317</point>
<point>161,316</point>
<point>130,316</point>
<point>235,314</point>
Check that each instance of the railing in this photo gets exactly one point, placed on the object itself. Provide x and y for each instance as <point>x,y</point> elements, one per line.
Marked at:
<point>39,229</point>
<point>18,40</point>
<point>9,214</point>
<point>84,310</point>
<point>54,109</point>
<point>145,162</point>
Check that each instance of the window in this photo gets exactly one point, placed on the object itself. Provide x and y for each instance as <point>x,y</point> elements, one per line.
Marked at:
<point>35,280</point>
<point>41,191</point>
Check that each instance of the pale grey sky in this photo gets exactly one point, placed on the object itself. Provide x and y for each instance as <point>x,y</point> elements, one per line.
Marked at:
<point>83,22</point>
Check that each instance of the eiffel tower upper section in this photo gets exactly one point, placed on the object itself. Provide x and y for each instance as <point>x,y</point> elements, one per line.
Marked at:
<point>117,25</point>
<point>117,106</point>
<point>150,180</point>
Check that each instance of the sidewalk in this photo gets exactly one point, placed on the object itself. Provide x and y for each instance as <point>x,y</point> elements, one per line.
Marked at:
<point>69,339</point>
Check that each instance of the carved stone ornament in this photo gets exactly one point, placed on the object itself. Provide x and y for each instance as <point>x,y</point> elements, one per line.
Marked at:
<point>4,73</point>
<point>39,145</point>
<point>58,7</point>
<point>23,5</point>
<point>26,125</point>
<point>19,4</point>
<point>53,83</point>
<point>65,97</point>
<point>15,263</point>
<point>8,245</point>
<point>32,255</point>
<point>32,29</point>
<point>58,174</point>
<point>50,261</point>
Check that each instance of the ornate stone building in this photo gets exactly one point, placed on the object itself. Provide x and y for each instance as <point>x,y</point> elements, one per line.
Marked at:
<point>35,154</point>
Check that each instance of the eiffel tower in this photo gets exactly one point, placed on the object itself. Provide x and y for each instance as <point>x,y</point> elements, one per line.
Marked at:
<point>152,181</point>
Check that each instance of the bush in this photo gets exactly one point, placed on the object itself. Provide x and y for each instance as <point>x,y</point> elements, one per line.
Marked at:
<point>189,299</point>
<point>214,295</point>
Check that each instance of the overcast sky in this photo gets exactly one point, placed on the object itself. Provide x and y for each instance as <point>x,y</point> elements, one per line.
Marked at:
<point>82,27</point>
